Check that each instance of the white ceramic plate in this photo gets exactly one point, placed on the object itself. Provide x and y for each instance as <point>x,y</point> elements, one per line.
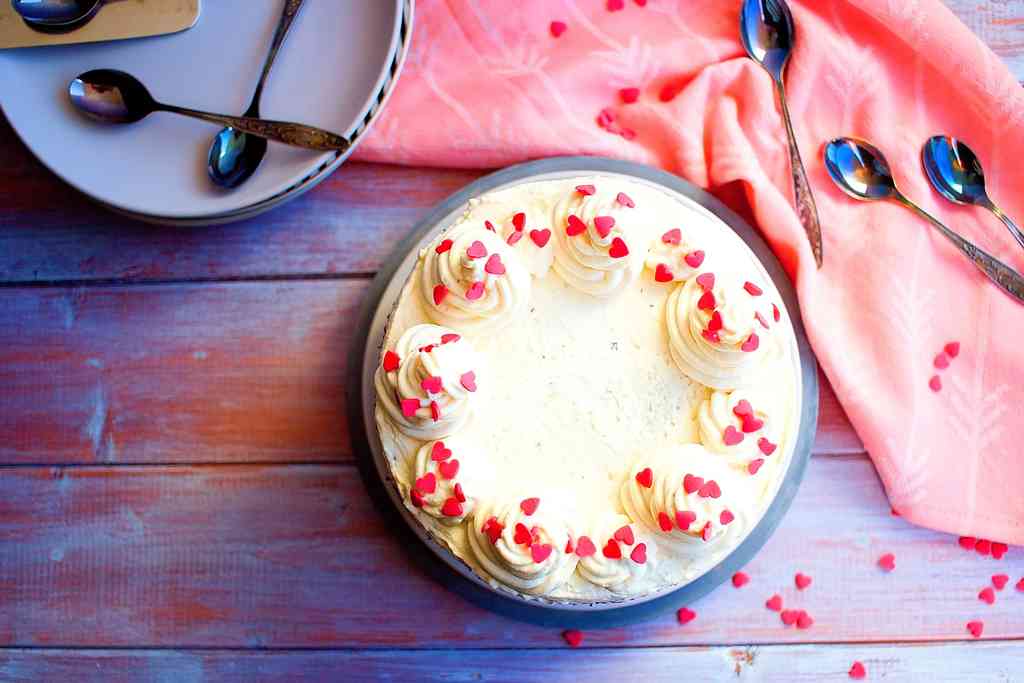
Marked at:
<point>340,58</point>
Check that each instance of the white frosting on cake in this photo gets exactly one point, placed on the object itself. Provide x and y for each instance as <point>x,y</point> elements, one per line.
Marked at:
<point>586,372</point>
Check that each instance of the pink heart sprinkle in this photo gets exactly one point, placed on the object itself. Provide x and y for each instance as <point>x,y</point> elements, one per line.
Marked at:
<point>663,274</point>
<point>440,292</point>
<point>726,517</point>
<point>391,361</point>
<point>615,5</point>
<point>694,258</point>
<point>754,465</point>
<point>804,621</point>
<point>540,552</point>
<point>639,554</point>
<point>673,236</point>
<point>450,338</point>
<point>692,483</point>
<point>732,436</point>
<point>775,313</point>
<point>475,291</point>
<point>494,266</point>
<point>774,603</point>
<point>605,117</point>
<point>514,237</point>
<point>935,384</point>
<point>766,446</point>
<point>760,318</point>
<point>586,190</point>
<point>665,522</point>
<point>540,237</point>
<point>739,579</point>
<point>751,424</point>
<point>519,221</point>
<point>685,519</point>
<point>410,406</point>
<point>710,489</point>
<point>575,226</point>
<point>1000,581</point>
<point>585,547</point>
<point>468,381</point>
<point>987,595</point>
<point>645,477</point>
<point>448,468</point>
<point>705,533</point>
<point>427,483</point>
<point>529,505</point>
<point>573,637</point>
<point>707,302</point>
<point>438,452</point>
<point>618,248</point>
<point>789,616</point>
<point>476,250</point>
<point>444,246</point>
<point>887,562</point>
<point>432,385</point>
<point>743,408</point>
<point>622,198</point>
<point>1020,585</point>
<point>685,615</point>
<point>941,361</point>
<point>802,581</point>
<point>604,225</point>
<point>490,226</point>
<point>752,289</point>
<point>976,628</point>
<point>625,535</point>
<point>557,28</point>
<point>706,281</point>
<point>751,344</point>
<point>952,349</point>
<point>857,671</point>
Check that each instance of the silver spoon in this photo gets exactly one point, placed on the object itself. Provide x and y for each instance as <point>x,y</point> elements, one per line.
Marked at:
<point>116,97</point>
<point>234,155</point>
<point>860,170</point>
<point>49,15</point>
<point>956,174</point>
<point>768,34</point>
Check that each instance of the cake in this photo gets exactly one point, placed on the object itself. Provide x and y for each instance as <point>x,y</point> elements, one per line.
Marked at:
<point>588,390</point>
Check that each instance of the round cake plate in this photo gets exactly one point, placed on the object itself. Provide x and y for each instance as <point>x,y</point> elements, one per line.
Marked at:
<point>156,170</point>
<point>380,302</point>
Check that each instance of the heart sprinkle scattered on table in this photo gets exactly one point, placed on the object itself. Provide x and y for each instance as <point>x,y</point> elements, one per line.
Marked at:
<point>802,581</point>
<point>857,671</point>
<point>685,615</point>
<point>573,637</point>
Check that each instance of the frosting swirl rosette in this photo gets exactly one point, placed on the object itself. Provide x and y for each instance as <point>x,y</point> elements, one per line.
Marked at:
<point>675,257</point>
<point>594,228</point>
<point>524,545</point>
<point>438,477</point>
<point>471,279</point>
<point>720,330</point>
<point>688,497</point>
<point>428,382</point>
<point>740,426</point>
<point>615,554</point>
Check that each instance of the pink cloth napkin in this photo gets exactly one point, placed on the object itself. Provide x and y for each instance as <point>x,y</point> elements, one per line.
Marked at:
<point>488,83</point>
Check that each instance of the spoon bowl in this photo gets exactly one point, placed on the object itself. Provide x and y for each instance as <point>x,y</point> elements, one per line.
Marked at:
<point>234,156</point>
<point>56,13</point>
<point>860,170</point>
<point>111,96</point>
<point>768,34</point>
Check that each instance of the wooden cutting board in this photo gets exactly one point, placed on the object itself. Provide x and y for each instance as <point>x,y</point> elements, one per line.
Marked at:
<point>116,20</point>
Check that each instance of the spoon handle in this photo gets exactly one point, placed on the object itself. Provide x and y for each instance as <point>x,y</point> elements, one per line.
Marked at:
<point>1010,225</point>
<point>288,13</point>
<point>294,134</point>
<point>1005,277</point>
<point>805,206</point>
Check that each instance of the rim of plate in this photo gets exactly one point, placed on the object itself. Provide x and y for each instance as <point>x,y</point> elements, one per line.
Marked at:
<point>371,110</point>
<point>376,470</point>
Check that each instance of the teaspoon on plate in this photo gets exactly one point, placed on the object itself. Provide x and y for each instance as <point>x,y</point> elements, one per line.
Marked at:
<point>114,96</point>
<point>860,170</point>
<point>956,174</point>
<point>51,16</point>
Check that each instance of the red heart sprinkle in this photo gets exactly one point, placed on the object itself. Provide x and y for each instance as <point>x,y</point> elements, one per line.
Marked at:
<point>715,323</point>
<point>585,547</point>
<point>639,554</point>
<point>987,595</point>
<point>685,615</point>
<point>568,546</point>
<point>775,313</point>
<point>857,671</point>
<point>710,489</point>
<point>416,497</point>
<point>575,226</point>
<point>774,603</point>
<point>706,280</point>
<point>732,436</point>
<point>1020,585</point>
<point>475,291</point>
<point>766,446</point>
<point>685,519</point>
<point>665,522</point>
<point>586,190</point>
<point>952,349</point>
<point>459,495</point>
<point>692,483</point>
<point>514,237</point>
<point>519,221</point>
<point>493,528</point>
<point>494,266</point>
<point>789,616</point>
<point>540,237</point>
<point>935,384</point>
<point>427,483</point>
<point>426,349</point>
<point>432,385</point>
<point>754,465</point>
<point>759,318</point>
<point>743,408</point>
<point>663,274</point>
<point>451,508</point>
<point>694,258</point>
<point>1000,581</point>
<point>439,452</point>
<point>983,547</point>
<point>967,542</point>
<point>606,117</point>
<point>887,562</point>
<point>752,289</point>
<point>976,628</point>
<point>804,621</point>
<point>444,246</point>
<point>522,535</point>
<point>468,381</point>
<point>645,477</point>
<point>629,95</point>
<point>751,344</point>
<point>941,361</point>
<point>999,549</point>
<point>435,411</point>
<point>540,552</point>
<point>624,534</point>
<point>739,579</point>
<point>476,250</point>
<point>802,581</point>
<point>604,225</point>
<point>725,518</point>
<point>440,292</point>
<point>710,336</point>
<point>490,226</point>
<point>615,5</point>
<point>611,550</point>
<point>618,248</point>
<point>673,236</point>
<point>391,361</point>
<point>622,198</point>
<point>410,406</point>
<point>450,338</point>
<point>751,424</point>
<point>707,303</point>
<point>573,637</point>
<point>529,506</point>
<point>557,28</point>
<point>448,468</point>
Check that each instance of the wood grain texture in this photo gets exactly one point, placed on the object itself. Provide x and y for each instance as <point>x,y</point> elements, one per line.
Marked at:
<point>936,663</point>
<point>298,556</point>
<point>226,372</point>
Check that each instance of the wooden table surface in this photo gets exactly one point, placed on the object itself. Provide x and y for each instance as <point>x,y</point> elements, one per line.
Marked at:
<point>179,500</point>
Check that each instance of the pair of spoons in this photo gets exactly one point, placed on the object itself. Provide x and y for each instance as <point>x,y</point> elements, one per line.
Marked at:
<point>861,171</point>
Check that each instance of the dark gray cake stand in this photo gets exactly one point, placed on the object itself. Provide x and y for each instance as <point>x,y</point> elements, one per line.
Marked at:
<point>433,557</point>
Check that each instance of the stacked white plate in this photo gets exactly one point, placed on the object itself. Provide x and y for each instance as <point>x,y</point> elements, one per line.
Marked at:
<point>338,66</point>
